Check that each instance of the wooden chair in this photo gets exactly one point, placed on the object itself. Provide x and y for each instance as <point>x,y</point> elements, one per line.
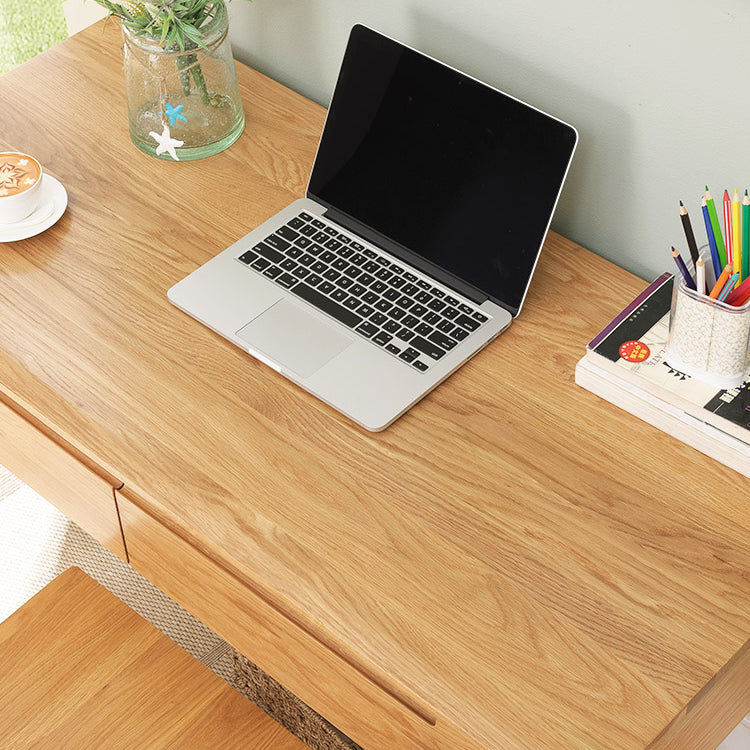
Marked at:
<point>80,669</point>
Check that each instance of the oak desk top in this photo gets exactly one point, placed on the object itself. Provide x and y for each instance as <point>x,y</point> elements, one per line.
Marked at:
<point>513,556</point>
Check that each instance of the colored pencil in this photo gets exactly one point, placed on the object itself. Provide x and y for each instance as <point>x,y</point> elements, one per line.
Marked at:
<point>746,236</point>
<point>689,236</point>
<point>720,247</point>
<point>715,261</point>
<point>689,281</point>
<point>736,234</point>
<point>700,276</point>
<point>728,287</point>
<point>739,291</point>
<point>728,226</point>
<point>720,282</point>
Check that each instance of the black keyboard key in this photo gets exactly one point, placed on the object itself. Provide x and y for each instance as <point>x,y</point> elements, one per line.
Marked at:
<point>287,233</point>
<point>459,333</point>
<point>351,303</point>
<point>410,289</point>
<point>378,319</point>
<point>382,338</point>
<point>326,287</point>
<point>419,364</point>
<point>431,318</point>
<point>433,351</point>
<point>423,329</point>
<point>339,295</point>
<point>327,305</point>
<point>318,267</point>
<point>304,215</point>
<point>268,252</point>
<point>288,264</point>
<point>313,279</point>
<point>468,323</point>
<point>303,242</point>
<point>437,305</point>
<point>248,257</point>
<point>260,264</point>
<point>396,313</point>
<point>445,326</point>
<point>300,272</point>
<point>378,286</point>
<point>286,280</point>
<point>410,321</point>
<point>436,337</point>
<point>366,329</point>
<point>369,297</point>
<point>409,355</point>
<point>365,311</point>
<point>276,242</point>
<point>392,326</point>
<point>392,348</point>
<point>296,223</point>
<point>481,317</point>
<point>327,256</point>
<point>450,312</point>
<point>409,276</point>
<point>405,334</point>
<point>418,310</point>
<point>272,272</point>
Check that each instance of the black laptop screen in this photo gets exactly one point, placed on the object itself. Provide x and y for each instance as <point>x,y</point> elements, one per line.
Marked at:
<point>454,171</point>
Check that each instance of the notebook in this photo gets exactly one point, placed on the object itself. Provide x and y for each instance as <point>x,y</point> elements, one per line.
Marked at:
<point>425,213</point>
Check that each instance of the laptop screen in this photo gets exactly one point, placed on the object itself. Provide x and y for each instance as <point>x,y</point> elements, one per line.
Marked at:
<point>455,172</point>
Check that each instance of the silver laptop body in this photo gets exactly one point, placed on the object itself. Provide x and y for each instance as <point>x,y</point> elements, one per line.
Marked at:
<point>339,292</point>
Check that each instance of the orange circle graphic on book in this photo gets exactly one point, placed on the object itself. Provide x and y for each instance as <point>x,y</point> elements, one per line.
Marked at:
<point>634,351</point>
<point>17,173</point>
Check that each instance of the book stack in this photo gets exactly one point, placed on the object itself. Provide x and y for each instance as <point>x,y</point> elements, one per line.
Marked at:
<point>625,364</point>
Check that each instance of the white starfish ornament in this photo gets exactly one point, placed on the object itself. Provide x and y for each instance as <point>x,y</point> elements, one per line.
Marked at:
<point>166,142</point>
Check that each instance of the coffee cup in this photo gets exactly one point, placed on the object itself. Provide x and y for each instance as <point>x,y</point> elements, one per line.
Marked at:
<point>20,186</point>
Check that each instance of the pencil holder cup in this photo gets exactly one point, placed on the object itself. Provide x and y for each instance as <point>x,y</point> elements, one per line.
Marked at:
<point>708,339</point>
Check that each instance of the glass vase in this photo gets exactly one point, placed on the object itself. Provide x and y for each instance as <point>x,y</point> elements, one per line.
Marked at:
<point>183,104</point>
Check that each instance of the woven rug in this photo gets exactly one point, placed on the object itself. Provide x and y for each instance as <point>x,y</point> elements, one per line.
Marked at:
<point>37,543</point>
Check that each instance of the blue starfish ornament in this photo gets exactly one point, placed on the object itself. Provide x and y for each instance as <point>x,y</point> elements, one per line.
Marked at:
<point>174,113</point>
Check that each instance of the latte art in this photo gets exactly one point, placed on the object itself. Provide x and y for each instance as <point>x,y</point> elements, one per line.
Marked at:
<point>18,173</point>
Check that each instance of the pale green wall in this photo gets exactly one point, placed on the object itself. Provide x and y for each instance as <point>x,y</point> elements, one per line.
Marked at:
<point>658,90</point>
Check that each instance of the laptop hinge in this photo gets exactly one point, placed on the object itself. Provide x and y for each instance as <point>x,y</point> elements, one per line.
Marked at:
<point>443,276</point>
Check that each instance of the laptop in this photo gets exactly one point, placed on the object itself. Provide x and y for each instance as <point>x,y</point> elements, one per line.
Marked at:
<point>426,210</point>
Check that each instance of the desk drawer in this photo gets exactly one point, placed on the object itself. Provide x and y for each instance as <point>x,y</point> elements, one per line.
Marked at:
<point>74,489</point>
<point>364,710</point>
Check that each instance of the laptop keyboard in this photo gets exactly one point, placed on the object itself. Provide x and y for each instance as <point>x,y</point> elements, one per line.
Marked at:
<point>381,300</point>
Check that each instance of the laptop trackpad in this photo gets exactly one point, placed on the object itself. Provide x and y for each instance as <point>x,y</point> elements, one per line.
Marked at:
<point>293,338</point>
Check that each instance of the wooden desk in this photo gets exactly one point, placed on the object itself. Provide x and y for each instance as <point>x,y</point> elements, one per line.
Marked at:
<point>513,564</point>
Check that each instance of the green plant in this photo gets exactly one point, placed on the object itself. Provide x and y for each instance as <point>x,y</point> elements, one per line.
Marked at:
<point>175,23</point>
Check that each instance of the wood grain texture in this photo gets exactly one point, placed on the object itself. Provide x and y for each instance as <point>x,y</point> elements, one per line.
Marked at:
<point>525,561</point>
<point>80,669</point>
<point>77,491</point>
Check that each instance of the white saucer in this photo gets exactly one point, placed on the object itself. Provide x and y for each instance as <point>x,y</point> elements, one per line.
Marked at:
<point>52,204</point>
